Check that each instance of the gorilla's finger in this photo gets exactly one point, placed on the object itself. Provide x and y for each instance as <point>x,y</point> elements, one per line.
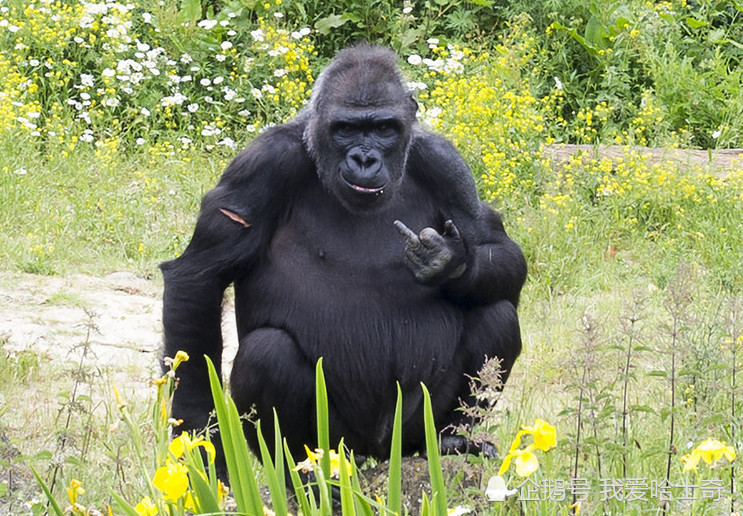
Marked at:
<point>408,236</point>
<point>430,238</point>
<point>451,230</point>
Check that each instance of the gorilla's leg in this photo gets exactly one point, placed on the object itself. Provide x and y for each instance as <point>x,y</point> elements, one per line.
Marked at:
<point>493,332</point>
<point>270,371</point>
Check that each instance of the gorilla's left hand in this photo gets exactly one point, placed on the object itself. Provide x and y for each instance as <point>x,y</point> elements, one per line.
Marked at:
<point>433,257</point>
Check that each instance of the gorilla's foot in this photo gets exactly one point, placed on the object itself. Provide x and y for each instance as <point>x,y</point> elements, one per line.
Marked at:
<point>460,445</point>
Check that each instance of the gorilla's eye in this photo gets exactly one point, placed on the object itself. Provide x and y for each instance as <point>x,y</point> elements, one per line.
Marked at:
<point>343,129</point>
<point>386,129</point>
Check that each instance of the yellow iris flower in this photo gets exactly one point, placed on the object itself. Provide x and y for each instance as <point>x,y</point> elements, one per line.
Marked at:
<point>313,458</point>
<point>146,507</point>
<point>526,463</point>
<point>171,480</point>
<point>180,444</point>
<point>710,451</point>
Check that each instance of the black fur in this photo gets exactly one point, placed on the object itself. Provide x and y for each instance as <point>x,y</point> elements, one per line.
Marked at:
<point>303,222</point>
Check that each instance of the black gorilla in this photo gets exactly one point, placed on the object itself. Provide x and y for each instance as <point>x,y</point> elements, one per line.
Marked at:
<point>310,223</point>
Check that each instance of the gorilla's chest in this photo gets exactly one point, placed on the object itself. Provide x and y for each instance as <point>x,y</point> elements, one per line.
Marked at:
<point>339,281</point>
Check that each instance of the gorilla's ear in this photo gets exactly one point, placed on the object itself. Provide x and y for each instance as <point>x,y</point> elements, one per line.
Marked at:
<point>415,102</point>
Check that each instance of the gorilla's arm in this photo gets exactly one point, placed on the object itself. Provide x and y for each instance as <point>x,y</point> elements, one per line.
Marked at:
<point>234,226</point>
<point>492,265</point>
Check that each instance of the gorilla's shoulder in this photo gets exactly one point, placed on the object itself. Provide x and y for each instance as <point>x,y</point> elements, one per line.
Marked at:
<point>434,161</point>
<point>279,152</point>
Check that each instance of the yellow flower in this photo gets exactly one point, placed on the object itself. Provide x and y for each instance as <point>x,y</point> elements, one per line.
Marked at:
<point>526,462</point>
<point>544,434</point>
<point>171,480</point>
<point>181,356</point>
<point>180,444</point>
<point>146,507</point>
<point>313,458</point>
<point>710,451</point>
<point>74,491</point>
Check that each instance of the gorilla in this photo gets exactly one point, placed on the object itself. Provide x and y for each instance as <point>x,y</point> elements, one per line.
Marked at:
<point>353,234</point>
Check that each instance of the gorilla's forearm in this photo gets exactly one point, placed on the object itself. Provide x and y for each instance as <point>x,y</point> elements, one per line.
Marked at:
<point>495,271</point>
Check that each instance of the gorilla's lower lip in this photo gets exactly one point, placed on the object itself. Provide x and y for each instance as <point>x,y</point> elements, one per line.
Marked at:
<point>378,190</point>
<point>365,190</point>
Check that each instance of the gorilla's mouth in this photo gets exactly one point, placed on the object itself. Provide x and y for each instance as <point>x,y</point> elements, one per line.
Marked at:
<point>365,190</point>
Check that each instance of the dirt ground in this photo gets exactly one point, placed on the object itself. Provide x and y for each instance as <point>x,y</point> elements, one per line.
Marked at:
<point>53,315</point>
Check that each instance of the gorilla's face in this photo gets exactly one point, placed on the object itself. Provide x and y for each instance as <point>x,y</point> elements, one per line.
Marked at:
<point>360,131</point>
<point>369,147</point>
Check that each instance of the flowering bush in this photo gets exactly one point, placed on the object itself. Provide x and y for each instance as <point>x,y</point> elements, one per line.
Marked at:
<point>87,73</point>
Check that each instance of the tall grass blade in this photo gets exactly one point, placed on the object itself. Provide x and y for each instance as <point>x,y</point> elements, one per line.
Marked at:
<point>275,487</point>
<point>348,508</point>
<point>306,506</point>
<point>438,489</point>
<point>237,456</point>
<point>52,502</point>
<point>394,480</point>
<point>323,430</point>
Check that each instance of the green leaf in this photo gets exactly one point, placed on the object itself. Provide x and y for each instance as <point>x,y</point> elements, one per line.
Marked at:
<point>52,502</point>
<point>438,489</point>
<point>694,23</point>
<point>348,508</point>
<point>394,479</point>
<point>205,499</point>
<point>324,25</point>
<point>190,11</point>
<point>306,506</point>
<point>323,430</point>
<point>239,463</point>
<point>123,505</point>
<point>275,487</point>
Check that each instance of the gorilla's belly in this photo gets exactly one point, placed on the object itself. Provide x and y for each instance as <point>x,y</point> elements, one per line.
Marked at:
<point>361,311</point>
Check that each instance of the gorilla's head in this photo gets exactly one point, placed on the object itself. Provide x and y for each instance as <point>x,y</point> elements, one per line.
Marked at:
<point>360,121</point>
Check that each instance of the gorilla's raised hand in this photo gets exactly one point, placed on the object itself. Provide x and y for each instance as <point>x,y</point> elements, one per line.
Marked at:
<point>433,257</point>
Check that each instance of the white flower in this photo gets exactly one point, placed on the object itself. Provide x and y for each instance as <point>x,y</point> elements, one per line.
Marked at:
<point>185,58</point>
<point>192,108</point>
<point>142,47</point>
<point>227,142</point>
<point>417,85</point>
<point>207,24</point>
<point>145,111</point>
<point>220,57</point>
<point>87,79</point>
<point>140,141</point>
<point>111,102</point>
<point>226,45</point>
<point>147,17</point>
<point>278,15</point>
<point>34,62</point>
<point>496,490</point>
<point>218,80</point>
<point>258,35</point>
<point>205,82</point>
<point>432,41</point>
<point>108,72</point>
<point>716,134</point>
<point>458,511</point>
<point>558,83</point>
<point>407,10</point>
<point>256,93</point>
<point>20,171</point>
<point>279,72</point>
<point>13,28</point>
<point>414,59</point>
<point>224,23</point>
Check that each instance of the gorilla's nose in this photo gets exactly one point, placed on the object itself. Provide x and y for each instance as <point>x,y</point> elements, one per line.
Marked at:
<point>364,163</point>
